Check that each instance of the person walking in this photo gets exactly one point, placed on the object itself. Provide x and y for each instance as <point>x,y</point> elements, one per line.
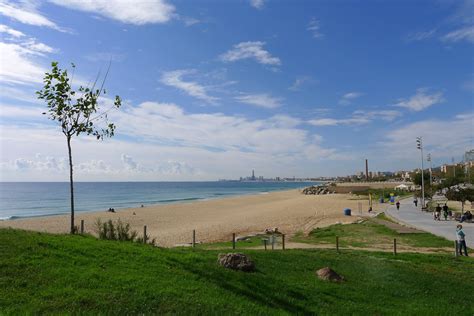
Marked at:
<point>416,202</point>
<point>461,238</point>
<point>438,213</point>
<point>445,211</point>
<point>398,205</point>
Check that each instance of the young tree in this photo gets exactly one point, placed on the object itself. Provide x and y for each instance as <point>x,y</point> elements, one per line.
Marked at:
<point>75,114</point>
<point>461,194</point>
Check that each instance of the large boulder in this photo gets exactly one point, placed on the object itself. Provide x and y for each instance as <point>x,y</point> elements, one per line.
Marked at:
<point>236,261</point>
<point>328,274</point>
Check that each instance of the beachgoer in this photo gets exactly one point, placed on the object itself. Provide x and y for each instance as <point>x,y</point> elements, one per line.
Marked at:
<point>416,202</point>
<point>398,205</point>
<point>467,216</point>
<point>461,237</point>
<point>445,211</point>
<point>438,212</point>
<point>450,213</point>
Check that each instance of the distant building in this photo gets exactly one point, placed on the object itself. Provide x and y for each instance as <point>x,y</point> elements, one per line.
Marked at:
<point>469,155</point>
<point>253,176</point>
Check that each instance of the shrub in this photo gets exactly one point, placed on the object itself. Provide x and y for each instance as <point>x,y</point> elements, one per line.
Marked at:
<point>118,230</point>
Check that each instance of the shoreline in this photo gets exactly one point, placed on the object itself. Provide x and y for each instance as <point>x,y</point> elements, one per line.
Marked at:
<point>214,220</point>
<point>159,203</point>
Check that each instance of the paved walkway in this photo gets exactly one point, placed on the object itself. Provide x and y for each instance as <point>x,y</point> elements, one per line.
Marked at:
<point>413,216</point>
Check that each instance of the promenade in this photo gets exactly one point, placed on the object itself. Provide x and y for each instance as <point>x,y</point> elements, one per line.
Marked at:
<point>413,216</point>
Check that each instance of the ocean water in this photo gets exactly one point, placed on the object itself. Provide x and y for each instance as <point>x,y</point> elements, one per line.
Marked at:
<point>30,199</point>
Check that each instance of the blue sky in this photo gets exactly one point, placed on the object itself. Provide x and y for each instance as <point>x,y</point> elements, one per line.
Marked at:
<point>214,89</point>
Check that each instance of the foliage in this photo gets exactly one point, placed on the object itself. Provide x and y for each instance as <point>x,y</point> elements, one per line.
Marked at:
<point>75,111</point>
<point>115,230</point>
<point>74,274</point>
<point>426,178</point>
<point>460,194</point>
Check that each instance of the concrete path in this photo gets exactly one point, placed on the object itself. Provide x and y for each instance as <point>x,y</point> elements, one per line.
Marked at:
<point>413,216</point>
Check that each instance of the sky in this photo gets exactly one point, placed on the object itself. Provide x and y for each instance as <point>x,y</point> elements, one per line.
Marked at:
<point>215,89</point>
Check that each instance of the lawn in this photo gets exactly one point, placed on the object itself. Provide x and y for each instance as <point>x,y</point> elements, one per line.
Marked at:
<point>368,234</point>
<point>43,273</point>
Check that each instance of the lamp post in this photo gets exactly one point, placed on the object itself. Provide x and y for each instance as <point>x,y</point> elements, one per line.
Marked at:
<point>419,145</point>
<point>428,158</point>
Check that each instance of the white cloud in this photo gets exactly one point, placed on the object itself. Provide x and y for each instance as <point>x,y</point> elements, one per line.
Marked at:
<point>175,79</point>
<point>18,65</point>
<point>301,81</point>
<point>10,31</point>
<point>464,33</point>
<point>421,35</point>
<point>314,28</point>
<point>358,118</point>
<point>20,112</point>
<point>131,12</point>
<point>258,4</point>
<point>18,58</point>
<point>250,50</point>
<point>26,13</point>
<point>421,100</point>
<point>441,142</point>
<point>263,100</point>
<point>128,162</point>
<point>349,97</point>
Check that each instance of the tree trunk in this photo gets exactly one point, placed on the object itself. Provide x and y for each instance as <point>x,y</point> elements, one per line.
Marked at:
<point>71,183</point>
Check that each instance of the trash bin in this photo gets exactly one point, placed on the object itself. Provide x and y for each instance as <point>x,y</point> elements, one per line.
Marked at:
<point>347,212</point>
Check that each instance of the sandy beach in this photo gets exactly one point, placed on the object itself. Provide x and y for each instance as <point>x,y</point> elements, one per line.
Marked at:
<point>216,220</point>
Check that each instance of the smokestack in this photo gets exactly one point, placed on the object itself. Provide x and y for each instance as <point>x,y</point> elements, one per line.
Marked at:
<point>367,170</point>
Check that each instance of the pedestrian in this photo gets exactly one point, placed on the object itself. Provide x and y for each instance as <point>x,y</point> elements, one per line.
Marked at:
<point>416,202</point>
<point>445,211</point>
<point>438,212</point>
<point>398,205</point>
<point>461,237</point>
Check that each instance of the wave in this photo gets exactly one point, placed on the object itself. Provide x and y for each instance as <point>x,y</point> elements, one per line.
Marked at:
<point>179,200</point>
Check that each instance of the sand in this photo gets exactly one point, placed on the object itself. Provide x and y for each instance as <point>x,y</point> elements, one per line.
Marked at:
<point>216,220</point>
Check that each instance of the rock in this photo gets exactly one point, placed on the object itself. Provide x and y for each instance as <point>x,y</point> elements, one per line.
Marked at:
<point>236,261</point>
<point>318,190</point>
<point>328,274</point>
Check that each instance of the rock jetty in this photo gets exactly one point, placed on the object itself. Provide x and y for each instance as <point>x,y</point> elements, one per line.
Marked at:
<point>318,190</point>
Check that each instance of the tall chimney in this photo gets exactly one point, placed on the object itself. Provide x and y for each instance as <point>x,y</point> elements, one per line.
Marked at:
<point>367,170</point>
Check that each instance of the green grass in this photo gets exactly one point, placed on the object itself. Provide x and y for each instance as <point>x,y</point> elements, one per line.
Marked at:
<point>58,274</point>
<point>255,241</point>
<point>378,193</point>
<point>370,234</point>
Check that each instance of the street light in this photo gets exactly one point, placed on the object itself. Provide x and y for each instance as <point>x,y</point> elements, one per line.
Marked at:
<point>419,145</point>
<point>428,158</point>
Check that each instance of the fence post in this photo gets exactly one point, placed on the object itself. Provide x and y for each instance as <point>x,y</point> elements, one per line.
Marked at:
<point>144,234</point>
<point>233,240</point>
<point>273,242</point>
<point>456,253</point>
<point>283,241</point>
<point>265,244</point>
<point>82,226</point>
<point>194,238</point>
<point>337,243</point>
<point>394,246</point>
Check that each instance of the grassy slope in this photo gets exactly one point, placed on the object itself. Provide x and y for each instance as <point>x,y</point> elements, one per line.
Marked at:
<point>56,274</point>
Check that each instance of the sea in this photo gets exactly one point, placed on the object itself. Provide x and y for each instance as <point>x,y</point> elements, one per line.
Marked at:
<point>31,199</point>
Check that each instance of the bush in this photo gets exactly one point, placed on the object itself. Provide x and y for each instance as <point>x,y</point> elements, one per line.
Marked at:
<point>118,230</point>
